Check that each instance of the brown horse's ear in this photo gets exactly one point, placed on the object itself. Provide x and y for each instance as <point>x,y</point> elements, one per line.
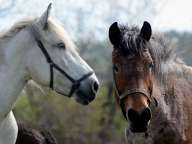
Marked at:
<point>114,34</point>
<point>146,31</point>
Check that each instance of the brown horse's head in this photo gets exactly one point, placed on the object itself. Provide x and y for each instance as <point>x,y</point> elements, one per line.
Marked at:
<point>133,73</point>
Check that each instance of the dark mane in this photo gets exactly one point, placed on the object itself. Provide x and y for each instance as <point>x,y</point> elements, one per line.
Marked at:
<point>161,48</point>
<point>131,43</point>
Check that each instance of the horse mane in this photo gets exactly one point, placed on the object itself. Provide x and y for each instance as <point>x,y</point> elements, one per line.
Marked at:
<point>161,48</point>
<point>53,24</point>
<point>16,28</point>
<point>20,25</point>
<point>163,51</point>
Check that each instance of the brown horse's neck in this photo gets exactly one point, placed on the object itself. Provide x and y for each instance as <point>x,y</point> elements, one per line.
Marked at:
<point>172,118</point>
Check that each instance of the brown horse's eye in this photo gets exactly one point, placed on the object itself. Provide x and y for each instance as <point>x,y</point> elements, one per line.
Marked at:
<point>115,68</point>
<point>151,65</point>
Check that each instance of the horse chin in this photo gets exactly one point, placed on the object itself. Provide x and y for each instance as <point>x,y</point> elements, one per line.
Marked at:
<point>80,97</point>
<point>138,130</point>
<point>83,97</point>
<point>81,101</point>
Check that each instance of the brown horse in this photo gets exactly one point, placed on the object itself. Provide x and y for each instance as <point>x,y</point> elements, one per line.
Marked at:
<point>146,71</point>
<point>28,135</point>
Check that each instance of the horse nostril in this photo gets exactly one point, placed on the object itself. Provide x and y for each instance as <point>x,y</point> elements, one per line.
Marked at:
<point>136,117</point>
<point>133,115</point>
<point>95,86</point>
<point>146,114</point>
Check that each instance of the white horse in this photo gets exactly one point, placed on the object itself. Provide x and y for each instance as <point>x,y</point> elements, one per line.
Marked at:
<point>39,49</point>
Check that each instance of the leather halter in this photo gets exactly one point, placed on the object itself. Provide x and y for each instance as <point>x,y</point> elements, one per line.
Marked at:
<point>130,92</point>
<point>75,83</point>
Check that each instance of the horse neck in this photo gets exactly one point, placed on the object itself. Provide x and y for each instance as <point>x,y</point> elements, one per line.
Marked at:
<point>171,98</point>
<point>12,69</point>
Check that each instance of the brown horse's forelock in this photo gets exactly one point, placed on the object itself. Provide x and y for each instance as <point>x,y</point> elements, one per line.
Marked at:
<point>131,43</point>
<point>161,48</point>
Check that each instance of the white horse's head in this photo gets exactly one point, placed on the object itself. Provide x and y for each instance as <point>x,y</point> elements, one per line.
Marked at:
<point>70,74</point>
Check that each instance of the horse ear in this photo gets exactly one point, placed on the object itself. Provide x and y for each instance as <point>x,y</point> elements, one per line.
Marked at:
<point>44,17</point>
<point>146,31</point>
<point>114,34</point>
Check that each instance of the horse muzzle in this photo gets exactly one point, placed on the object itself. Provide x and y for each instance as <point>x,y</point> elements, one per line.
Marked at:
<point>87,90</point>
<point>139,121</point>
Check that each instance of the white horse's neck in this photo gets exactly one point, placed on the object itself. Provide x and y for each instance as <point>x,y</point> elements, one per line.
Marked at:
<point>12,80</point>
<point>12,70</point>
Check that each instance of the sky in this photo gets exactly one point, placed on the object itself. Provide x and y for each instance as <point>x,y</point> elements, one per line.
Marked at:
<point>175,14</point>
<point>84,17</point>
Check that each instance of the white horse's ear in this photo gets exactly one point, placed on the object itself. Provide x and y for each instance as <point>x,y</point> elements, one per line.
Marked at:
<point>44,17</point>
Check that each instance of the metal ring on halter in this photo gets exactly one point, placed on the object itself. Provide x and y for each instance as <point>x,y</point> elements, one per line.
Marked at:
<point>75,83</point>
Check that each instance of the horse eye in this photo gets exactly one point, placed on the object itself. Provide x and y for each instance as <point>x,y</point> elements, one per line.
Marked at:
<point>151,65</point>
<point>115,68</point>
<point>61,45</point>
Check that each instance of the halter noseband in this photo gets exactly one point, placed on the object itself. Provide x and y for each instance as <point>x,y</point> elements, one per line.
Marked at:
<point>129,92</point>
<point>75,83</point>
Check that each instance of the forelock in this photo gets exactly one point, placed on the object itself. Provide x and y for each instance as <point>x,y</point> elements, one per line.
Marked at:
<point>131,42</point>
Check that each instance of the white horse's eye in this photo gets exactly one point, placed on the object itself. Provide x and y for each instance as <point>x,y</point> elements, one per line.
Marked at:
<point>60,45</point>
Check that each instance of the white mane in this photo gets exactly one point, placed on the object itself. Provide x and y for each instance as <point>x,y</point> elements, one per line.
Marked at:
<point>16,28</point>
<point>53,24</point>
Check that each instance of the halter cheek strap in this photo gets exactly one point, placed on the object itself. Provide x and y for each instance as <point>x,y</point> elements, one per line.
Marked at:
<point>75,83</point>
